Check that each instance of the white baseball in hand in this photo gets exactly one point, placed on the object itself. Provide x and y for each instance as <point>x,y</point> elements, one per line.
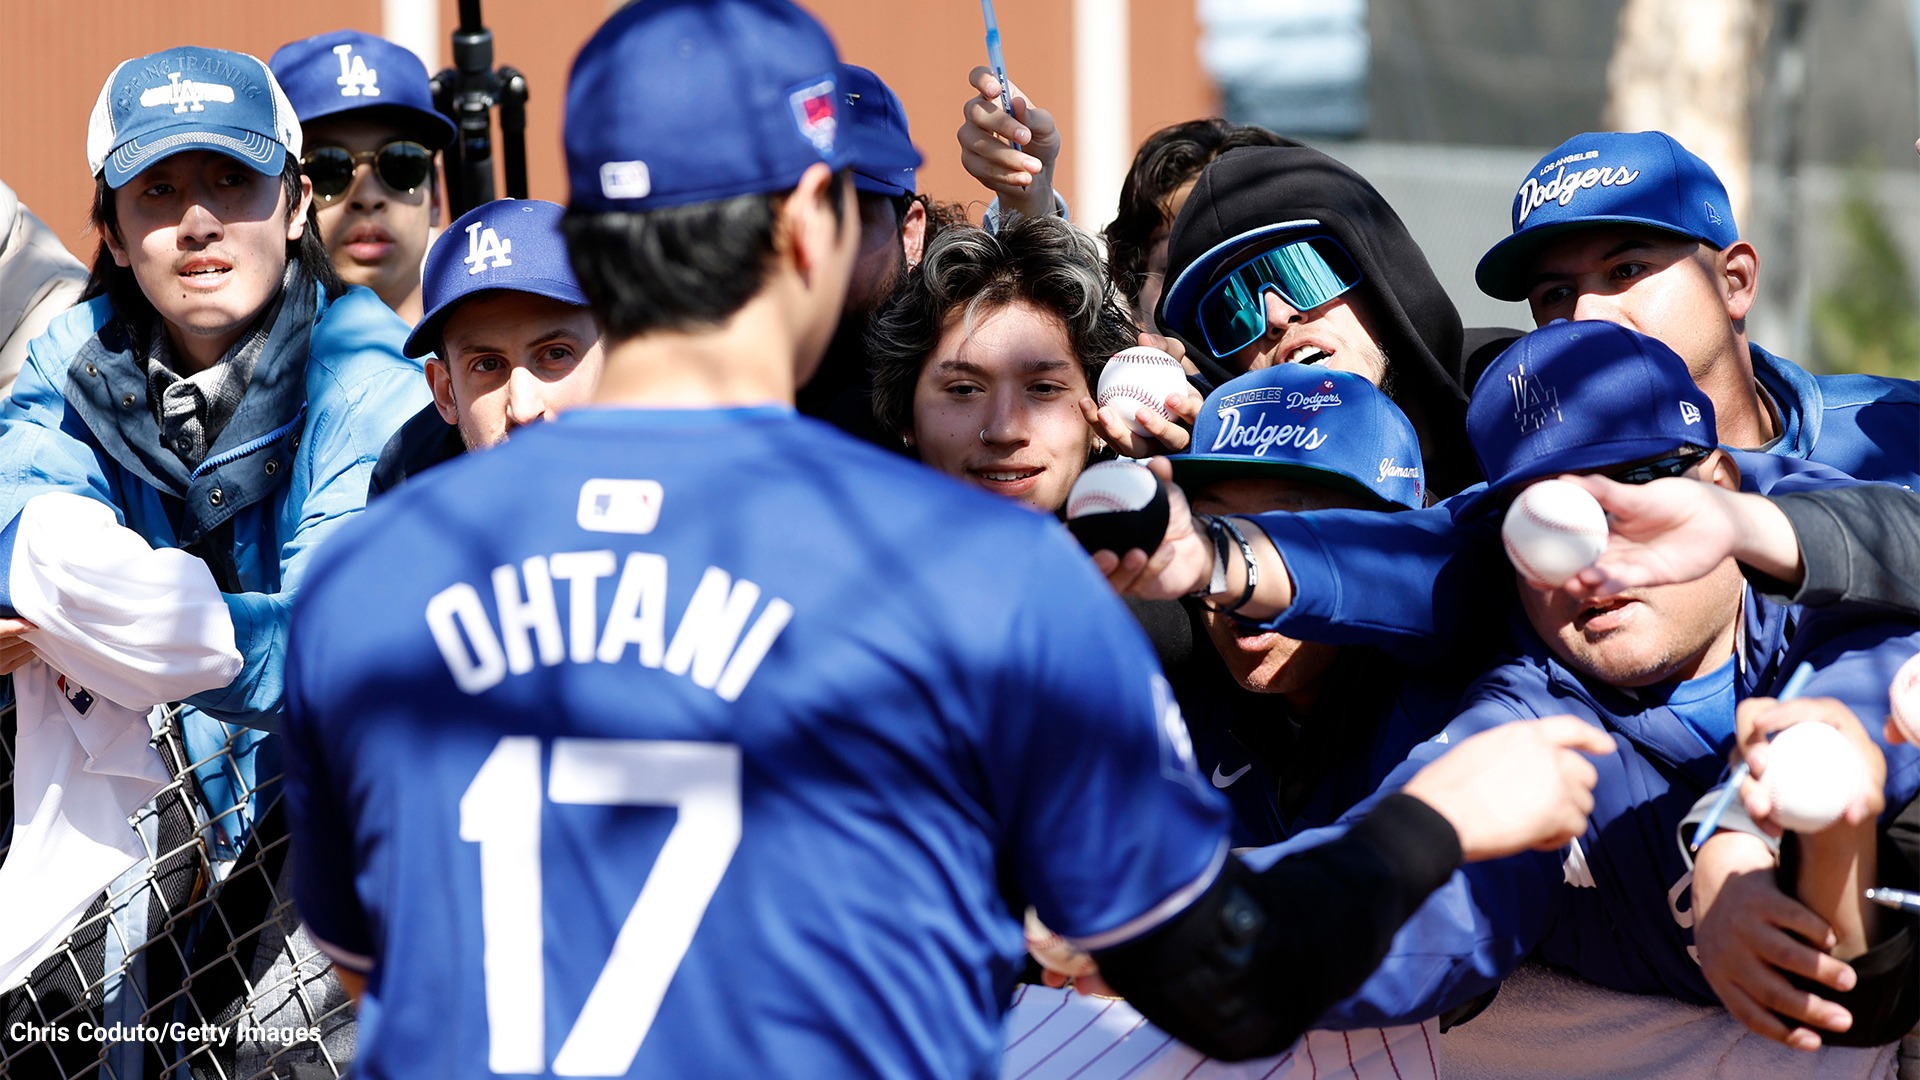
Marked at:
<point>1055,953</point>
<point>1553,531</point>
<point>1903,699</point>
<point>1813,774</point>
<point>1140,376</point>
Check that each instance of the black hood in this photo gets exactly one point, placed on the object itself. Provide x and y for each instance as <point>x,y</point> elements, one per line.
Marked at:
<point>1259,187</point>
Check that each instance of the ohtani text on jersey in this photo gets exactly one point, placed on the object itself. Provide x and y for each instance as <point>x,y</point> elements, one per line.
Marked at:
<point>712,642</point>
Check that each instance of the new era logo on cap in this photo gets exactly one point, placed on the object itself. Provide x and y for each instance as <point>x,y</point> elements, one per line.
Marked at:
<point>189,98</point>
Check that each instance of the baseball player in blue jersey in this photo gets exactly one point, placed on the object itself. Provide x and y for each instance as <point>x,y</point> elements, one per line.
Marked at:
<point>1660,669</point>
<point>704,723</point>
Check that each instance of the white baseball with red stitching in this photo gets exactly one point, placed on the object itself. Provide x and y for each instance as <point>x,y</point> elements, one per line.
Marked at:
<point>1055,953</point>
<point>1110,487</point>
<point>1553,531</point>
<point>1903,699</point>
<point>1140,376</point>
<point>1813,773</point>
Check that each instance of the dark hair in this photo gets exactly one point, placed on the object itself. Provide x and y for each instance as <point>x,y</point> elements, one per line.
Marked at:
<point>118,285</point>
<point>1168,159</point>
<point>1042,261</point>
<point>677,268</point>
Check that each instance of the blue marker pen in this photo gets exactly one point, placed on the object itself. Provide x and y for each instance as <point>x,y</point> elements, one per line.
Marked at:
<point>996,60</point>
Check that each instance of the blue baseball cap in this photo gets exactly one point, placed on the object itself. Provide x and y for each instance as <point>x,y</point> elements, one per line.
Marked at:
<point>350,72</point>
<point>507,244</point>
<point>1311,423</point>
<point>674,102</point>
<point>1607,178</point>
<point>1580,396</point>
<point>190,98</point>
<point>884,157</point>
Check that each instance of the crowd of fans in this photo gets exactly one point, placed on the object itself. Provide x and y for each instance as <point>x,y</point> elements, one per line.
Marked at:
<point>1334,764</point>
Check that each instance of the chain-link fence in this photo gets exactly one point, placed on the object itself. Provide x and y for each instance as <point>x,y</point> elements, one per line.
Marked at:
<point>191,964</point>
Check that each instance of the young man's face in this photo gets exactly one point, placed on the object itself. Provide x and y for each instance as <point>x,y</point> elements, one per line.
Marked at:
<point>376,235</point>
<point>1333,335</point>
<point>997,405</point>
<point>206,238</point>
<point>1154,280</point>
<point>1665,286</point>
<point>1644,636</point>
<point>509,359</point>
<point>1262,661</point>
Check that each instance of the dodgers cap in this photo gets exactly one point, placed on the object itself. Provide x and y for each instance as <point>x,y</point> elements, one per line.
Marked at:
<point>190,98</point>
<point>507,244</point>
<point>1310,423</point>
<point>1580,396</point>
<point>884,157</point>
<point>674,102</point>
<point>1607,178</point>
<point>347,71</point>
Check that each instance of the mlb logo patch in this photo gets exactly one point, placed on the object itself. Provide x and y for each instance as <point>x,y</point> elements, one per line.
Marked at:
<point>814,113</point>
<point>619,506</point>
<point>75,694</point>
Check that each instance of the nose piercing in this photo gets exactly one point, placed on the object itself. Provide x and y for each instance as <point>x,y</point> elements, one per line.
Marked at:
<point>983,436</point>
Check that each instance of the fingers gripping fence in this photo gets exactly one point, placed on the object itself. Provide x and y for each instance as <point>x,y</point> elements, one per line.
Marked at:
<point>192,964</point>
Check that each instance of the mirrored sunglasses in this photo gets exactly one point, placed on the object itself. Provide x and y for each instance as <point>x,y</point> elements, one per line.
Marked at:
<point>403,165</point>
<point>1305,274</point>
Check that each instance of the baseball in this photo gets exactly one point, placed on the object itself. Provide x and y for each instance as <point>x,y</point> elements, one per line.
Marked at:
<point>1813,773</point>
<point>1054,952</point>
<point>1553,531</point>
<point>1117,506</point>
<point>1903,699</point>
<point>1140,376</point>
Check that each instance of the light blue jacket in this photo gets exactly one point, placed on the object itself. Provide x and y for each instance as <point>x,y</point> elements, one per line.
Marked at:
<point>289,468</point>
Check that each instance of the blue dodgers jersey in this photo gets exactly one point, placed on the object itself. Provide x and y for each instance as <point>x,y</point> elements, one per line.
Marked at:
<point>718,743</point>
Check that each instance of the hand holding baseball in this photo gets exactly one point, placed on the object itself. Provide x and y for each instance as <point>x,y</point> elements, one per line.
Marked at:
<point>1182,564</point>
<point>1143,404</point>
<point>1837,774</point>
<point>1020,175</point>
<point>1517,787</point>
<point>1678,529</point>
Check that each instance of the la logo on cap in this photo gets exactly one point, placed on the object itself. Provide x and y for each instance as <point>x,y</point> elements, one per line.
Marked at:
<point>484,244</point>
<point>1535,404</point>
<point>186,95</point>
<point>356,78</point>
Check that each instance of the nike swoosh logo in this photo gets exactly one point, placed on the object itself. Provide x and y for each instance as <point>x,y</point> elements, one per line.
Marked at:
<point>1221,781</point>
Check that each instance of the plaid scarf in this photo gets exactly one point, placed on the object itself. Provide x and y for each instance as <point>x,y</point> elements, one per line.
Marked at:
<point>192,410</point>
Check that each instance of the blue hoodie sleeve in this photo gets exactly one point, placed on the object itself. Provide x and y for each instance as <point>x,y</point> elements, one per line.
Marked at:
<point>1471,932</point>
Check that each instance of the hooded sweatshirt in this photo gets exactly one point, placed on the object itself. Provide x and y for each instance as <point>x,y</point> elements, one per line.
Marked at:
<point>1413,320</point>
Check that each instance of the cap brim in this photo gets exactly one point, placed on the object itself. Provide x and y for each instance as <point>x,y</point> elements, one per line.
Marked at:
<point>1181,300</point>
<point>425,338</point>
<point>1601,455</point>
<point>874,184</point>
<point>430,129</point>
<point>1192,470</point>
<point>1506,270</point>
<point>250,148</point>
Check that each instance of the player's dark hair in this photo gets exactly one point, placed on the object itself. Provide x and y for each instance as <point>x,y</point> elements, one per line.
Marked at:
<point>678,268</point>
<point>1168,159</point>
<point>1041,261</point>
<point>118,285</point>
